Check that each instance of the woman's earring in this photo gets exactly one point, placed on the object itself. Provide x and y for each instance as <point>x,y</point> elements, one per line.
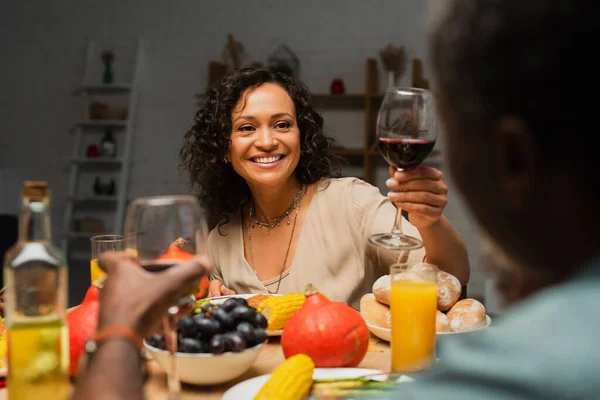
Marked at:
<point>226,160</point>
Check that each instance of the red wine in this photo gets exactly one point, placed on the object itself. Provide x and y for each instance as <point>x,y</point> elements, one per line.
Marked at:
<point>184,304</point>
<point>405,152</point>
<point>157,266</point>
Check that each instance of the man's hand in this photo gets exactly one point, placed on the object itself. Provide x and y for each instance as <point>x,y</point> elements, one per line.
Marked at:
<point>135,298</point>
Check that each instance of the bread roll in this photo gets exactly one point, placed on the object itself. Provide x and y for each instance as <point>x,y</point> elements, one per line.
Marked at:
<point>466,315</point>
<point>426,270</point>
<point>381,289</point>
<point>448,286</point>
<point>448,290</point>
<point>409,276</point>
<point>442,324</point>
<point>374,312</point>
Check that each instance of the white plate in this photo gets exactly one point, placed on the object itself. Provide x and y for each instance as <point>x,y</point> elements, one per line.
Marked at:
<point>222,299</point>
<point>488,322</point>
<point>246,390</point>
<point>386,333</point>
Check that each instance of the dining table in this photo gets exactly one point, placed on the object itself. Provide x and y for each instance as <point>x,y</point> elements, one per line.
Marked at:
<point>270,357</point>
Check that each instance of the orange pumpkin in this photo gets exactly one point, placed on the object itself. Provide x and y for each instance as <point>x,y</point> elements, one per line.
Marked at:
<point>82,322</point>
<point>331,333</point>
<point>176,252</point>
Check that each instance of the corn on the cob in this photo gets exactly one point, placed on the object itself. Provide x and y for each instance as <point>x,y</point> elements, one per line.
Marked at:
<point>290,381</point>
<point>278,309</point>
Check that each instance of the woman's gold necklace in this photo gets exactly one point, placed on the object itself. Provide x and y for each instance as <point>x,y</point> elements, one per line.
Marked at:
<point>295,206</point>
<point>277,221</point>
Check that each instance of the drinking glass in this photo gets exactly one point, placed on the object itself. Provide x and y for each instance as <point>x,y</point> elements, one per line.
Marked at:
<point>166,231</point>
<point>100,244</point>
<point>413,305</point>
<point>407,129</point>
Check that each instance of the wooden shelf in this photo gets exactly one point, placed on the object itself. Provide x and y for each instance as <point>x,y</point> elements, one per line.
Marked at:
<point>348,152</point>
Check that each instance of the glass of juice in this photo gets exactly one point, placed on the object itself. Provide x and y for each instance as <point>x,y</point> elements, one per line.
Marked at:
<point>413,305</point>
<point>100,244</point>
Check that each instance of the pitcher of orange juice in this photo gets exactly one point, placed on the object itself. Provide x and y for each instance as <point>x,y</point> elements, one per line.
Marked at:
<point>413,305</point>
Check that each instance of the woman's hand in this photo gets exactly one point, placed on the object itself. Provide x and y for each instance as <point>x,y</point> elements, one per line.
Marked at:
<point>218,289</point>
<point>137,299</point>
<point>420,191</point>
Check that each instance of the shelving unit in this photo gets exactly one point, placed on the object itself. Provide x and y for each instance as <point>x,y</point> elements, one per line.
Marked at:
<point>368,155</point>
<point>369,101</point>
<point>89,203</point>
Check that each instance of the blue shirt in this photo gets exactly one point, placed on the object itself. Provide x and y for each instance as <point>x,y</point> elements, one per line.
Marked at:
<point>546,347</point>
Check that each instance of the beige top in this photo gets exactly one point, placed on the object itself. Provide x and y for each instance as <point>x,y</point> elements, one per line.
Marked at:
<point>333,251</point>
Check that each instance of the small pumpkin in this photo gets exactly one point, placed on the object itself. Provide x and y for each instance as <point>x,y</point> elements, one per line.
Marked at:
<point>176,252</point>
<point>331,333</point>
<point>82,322</point>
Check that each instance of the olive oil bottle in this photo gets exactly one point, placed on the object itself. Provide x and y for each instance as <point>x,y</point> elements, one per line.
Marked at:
<point>35,274</point>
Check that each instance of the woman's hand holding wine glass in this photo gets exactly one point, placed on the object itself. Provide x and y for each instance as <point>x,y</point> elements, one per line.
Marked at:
<point>420,191</point>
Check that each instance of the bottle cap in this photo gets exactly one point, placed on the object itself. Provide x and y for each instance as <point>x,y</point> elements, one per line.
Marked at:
<point>35,190</point>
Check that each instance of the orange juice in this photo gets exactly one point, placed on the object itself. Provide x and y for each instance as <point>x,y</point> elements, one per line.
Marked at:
<point>95,271</point>
<point>413,307</point>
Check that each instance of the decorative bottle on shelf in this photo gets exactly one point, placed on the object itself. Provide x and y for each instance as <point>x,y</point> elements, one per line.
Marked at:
<point>108,145</point>
<point>110,188</point>
<point>35,274</point>
<point>97,186</point>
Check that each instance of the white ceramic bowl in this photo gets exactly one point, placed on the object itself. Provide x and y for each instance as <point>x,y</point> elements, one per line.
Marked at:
<point>386,333</point>
<point>205,368</point>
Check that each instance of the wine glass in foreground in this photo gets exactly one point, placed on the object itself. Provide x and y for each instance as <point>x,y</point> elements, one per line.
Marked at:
<point>407,127</point>
<point>166,231</point>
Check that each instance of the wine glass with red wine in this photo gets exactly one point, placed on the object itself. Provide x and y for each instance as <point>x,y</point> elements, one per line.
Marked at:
<point>165,231</point>
<point>407,128</point>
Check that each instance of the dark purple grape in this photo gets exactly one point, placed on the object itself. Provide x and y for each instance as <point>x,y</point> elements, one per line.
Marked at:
<point>189,345</point>
<point>187,327</point>
<point>217,344</point>
<point>157,341</point>
<point>224,319</point>
<point>235,341</point>
<point>259,336</point>
<point>260,321</point>
<point>246,330</point>
<point>241,301</point>
<point>230,304</point>
<point>207,327</point>
<point>243,313</point>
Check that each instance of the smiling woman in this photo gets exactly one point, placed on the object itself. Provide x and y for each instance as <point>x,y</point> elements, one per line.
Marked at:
<point>283,217</point>
<point>265,139</point>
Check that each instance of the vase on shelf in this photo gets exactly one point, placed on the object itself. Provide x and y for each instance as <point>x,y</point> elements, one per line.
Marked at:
<point>337,87</point>
<point>92,151</point>
<point>107,57</point>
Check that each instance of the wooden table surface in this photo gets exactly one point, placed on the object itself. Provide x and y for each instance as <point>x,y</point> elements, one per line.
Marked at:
<point>377,357</point>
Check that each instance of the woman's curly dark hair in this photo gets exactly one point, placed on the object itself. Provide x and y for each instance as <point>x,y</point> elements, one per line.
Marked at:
<point>221,190</point>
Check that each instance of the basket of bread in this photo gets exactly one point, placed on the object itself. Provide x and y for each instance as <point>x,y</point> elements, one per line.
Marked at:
<point>452,316</point>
